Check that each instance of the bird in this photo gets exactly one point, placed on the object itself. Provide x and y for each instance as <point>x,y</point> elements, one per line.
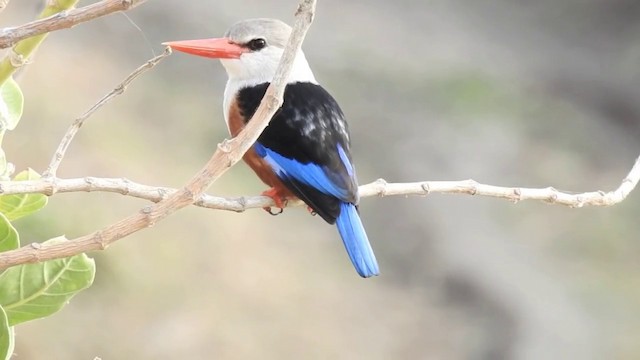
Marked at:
<point>304,152</point>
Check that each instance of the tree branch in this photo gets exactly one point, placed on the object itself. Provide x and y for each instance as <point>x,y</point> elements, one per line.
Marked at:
<point>228,153</point>
<point>75,127</point>
<point>11,35</point>
<point>379,188</point>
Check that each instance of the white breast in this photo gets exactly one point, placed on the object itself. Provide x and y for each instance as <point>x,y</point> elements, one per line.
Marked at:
<point>230,91</point>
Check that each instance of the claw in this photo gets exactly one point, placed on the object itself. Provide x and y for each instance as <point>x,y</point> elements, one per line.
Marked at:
<point>311,211</point>
<point>277,198</point>
<point>268,209</point>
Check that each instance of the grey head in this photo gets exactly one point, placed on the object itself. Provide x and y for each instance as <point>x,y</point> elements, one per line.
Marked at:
<point>273,31</point>
<point>264,40</point>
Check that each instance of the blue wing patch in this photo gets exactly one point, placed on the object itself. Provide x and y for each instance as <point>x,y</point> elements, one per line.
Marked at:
<point>345,160</point>
<point>310,174</point>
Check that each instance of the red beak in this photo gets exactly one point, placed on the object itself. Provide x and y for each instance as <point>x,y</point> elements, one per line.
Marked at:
<point>221,48</point>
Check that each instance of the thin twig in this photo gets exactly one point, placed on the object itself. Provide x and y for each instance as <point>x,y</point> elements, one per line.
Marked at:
<point>227,154</point>
<point>75,127</point>
<point>11,35</point>
<point>379,187</point>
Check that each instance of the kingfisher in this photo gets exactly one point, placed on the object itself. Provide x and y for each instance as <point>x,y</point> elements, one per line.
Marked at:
<point>304,152</point>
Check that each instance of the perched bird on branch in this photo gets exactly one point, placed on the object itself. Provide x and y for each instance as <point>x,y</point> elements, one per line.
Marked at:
<point>304,151</point>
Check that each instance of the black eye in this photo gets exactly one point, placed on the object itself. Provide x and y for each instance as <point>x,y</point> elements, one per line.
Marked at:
<point>257,44</point>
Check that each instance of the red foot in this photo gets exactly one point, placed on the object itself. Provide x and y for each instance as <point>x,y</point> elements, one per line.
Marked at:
<point>277,198</point>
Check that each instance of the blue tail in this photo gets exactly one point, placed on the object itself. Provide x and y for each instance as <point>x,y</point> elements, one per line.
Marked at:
<point>355,241</point>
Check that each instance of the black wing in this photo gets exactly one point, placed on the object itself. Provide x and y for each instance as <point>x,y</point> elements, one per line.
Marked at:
<point>309,129</point>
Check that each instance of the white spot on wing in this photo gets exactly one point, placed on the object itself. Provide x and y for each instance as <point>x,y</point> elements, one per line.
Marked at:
<point>308,128</point>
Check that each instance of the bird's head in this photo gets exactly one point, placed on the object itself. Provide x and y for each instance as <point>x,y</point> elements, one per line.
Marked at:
<point>249,51</point>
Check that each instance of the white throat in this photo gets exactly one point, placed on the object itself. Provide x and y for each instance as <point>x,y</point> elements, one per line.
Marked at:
<point>247,72</point>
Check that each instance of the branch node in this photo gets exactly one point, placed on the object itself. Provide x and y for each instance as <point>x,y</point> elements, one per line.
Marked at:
<point>517,195</point>
<point>150,219</point>
<point>243,201</point>
<point>553,194</point>
<point>426,187</point>
<point>579,202</point>
<point>60,15</point>
<point>90,181</point>
<point>120,89</point>
<point>78,122</point>
<point>126,4</point>
<point>51,187</point>
<point>473,187</point>
<point>163,193</point>
<point>126,188</point>
<point>225,145</point>
<point>381,184</point>
<point>34,253</point>
<point>99,238</point>
<point>272,101</point>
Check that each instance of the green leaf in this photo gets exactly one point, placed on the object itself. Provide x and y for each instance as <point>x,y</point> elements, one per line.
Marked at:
<point>17,206</point>
<point>11,104</point>
<point>9,238</point>
<point>6,337</point>
<point>33,291</point>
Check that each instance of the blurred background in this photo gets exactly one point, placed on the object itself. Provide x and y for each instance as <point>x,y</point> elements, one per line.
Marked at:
<point>507,92</point>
